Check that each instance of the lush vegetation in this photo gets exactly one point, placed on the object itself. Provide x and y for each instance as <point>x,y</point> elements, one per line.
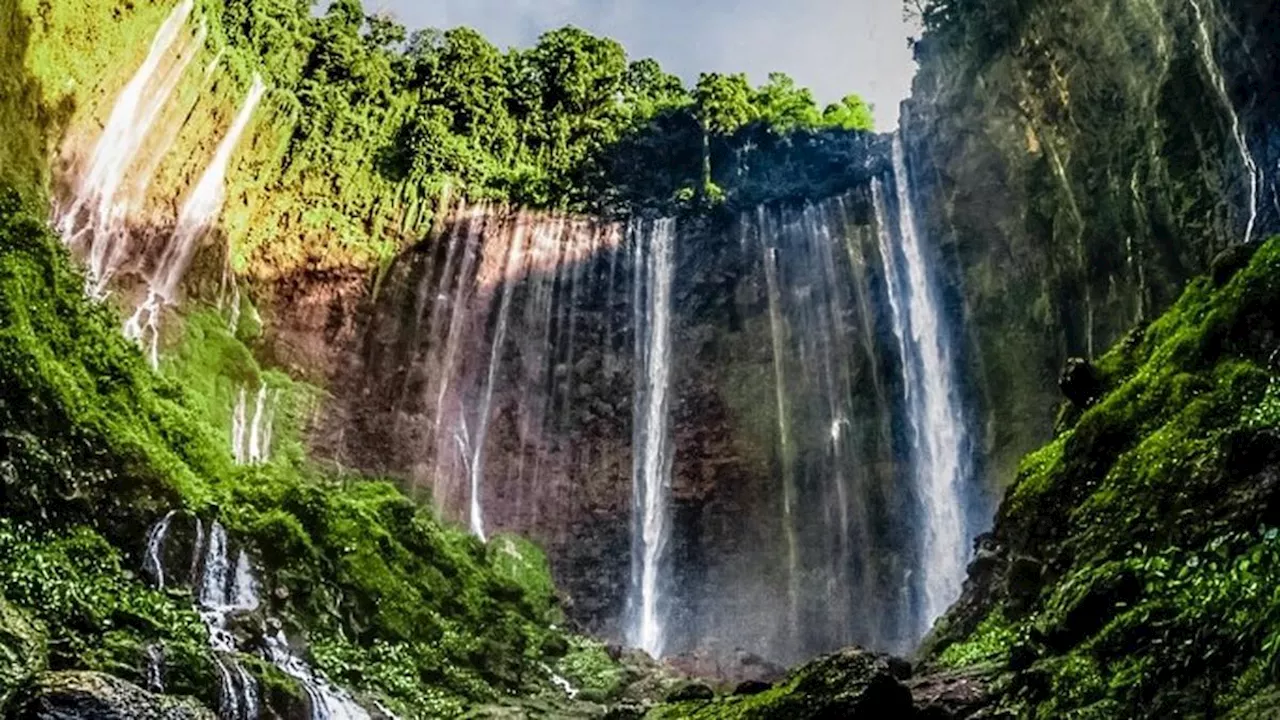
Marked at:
<point>381,127</point>
<point>368,132</point>
<point>96,447</point>
<point>1138,560</point>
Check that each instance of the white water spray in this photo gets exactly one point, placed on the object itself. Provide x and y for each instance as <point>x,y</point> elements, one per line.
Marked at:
<point>224,590</point>
<point>933,408</point>
<point>251,437</point>
<point>653,252</point>
<point>153,563</point>
<point>198,214</point>
<point>512,275</point>
<point>1237,131</point>
<point>97,215</point>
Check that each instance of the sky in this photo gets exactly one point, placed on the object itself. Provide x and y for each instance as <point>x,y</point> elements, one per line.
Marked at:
<point>834,47</point>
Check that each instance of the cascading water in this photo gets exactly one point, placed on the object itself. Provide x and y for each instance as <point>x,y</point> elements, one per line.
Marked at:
<point>831,442</point>
<point>1214,69</point>
<point>224,591</point>
<point>95,220</point>
<point>251,437</point>
<point>939,462</point>
<point>654,249</point>
<point>513,272</point>
<point>197,215</point>
<point>522,365</point>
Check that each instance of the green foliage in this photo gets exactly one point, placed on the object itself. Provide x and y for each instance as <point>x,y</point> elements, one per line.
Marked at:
<point>588,667</point>
<point>851,113</point>
<point>367,137</point>
<point>96,447</point>
<point>1158,592</point>
<point>990,642</point>
<point>98,615</point>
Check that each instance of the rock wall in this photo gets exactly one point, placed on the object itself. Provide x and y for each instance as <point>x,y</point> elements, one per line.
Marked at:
<point>1077,163</point>
<point>506,342</point>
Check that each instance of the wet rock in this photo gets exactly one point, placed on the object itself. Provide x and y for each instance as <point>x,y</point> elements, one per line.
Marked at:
<point>850,684</point>
<point>627,711</point>
<point>752,687</point>
<point>1080,383</point>
<point>96,696</point>
<point>1231,261</point>
<point>853,683</point>
<point>950,695</point>
<point>692,690</point>
<point>1022,585</point>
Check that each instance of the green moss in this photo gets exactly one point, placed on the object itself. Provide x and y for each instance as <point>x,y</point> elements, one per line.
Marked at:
<point>846,684</point>
<point>24,649</point>
<point>989,643</point>
<point>588,667</point>
<point>96,447</point>
<point>1157,592</point>
<point>99,616</point>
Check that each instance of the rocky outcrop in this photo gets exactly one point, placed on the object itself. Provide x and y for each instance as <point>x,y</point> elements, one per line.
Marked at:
<point>1134,538</point>
<point>850,684</point>
<point>95,696</point>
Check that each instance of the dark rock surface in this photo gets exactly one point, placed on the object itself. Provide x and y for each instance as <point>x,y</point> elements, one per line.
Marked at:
<point>95,696</point>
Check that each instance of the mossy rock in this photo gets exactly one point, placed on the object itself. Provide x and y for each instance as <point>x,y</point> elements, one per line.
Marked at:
<point>849,684</point>
<point>23,649</point>
<point>96,696</point>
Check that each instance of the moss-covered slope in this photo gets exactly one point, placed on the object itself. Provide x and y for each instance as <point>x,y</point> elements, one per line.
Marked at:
<point>1133,568</point>
<point>95,447</point>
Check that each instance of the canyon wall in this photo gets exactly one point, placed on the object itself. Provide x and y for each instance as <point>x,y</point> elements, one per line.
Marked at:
<point>487,357</point>
<point>1076,164</point>
<point>495,369</point>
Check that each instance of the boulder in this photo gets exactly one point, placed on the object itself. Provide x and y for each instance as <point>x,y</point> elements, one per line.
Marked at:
<point>96,696</point>
<point>1227,263</point>
<point>950,694</point>
<point>1080,383</point>
<point>852,684</point>
<point>692,690</point>
<point>752,687</point>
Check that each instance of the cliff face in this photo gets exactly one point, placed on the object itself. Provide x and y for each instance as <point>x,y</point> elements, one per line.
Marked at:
<point>496,369</point>
<point>1076,164</point>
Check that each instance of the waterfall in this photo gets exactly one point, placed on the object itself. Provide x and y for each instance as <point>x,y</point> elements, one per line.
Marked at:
<point>827,578</point>
<point>95,220</point>
<point>224,590</point>
<point>1214,69</point>
<point>153,561</point>
<point>777,333</point>
<point>155,669</point>
<point>251,438</point>
<point>327,701</point>
<point>197,215</point>
<point>653,248</point>
<point>510,276</point>
<point>260,428</point>
<point>939,465</point>
<point>239,430</point>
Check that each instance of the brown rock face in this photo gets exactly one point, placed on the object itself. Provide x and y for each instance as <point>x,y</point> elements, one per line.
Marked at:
<point>495,369</point>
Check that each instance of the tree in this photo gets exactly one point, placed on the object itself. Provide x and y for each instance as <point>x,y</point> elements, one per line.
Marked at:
<point>784,106</point>
<point>722,104</point>
<point>648,90</point>
<point>851,113</point>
